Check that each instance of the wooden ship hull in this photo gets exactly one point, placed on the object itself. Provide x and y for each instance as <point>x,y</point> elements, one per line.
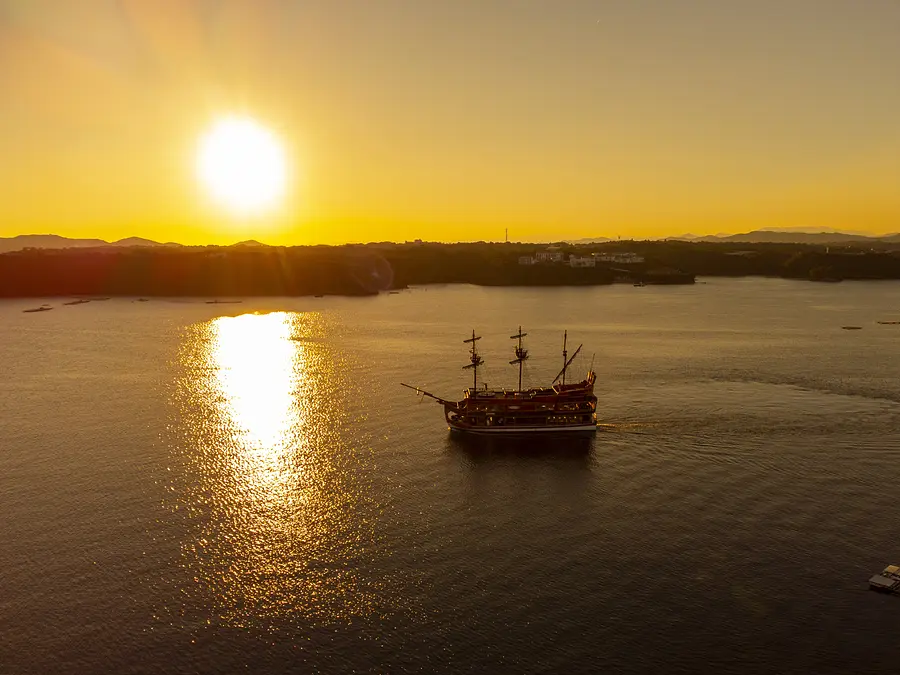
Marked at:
<point>560,408</point>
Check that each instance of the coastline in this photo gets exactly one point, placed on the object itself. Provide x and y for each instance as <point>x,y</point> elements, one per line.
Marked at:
<point>365,270</point>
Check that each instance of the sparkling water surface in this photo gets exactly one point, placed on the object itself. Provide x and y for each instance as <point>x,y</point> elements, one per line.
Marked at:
<point>190,487</point>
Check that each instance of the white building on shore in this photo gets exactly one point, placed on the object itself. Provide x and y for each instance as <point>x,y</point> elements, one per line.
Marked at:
<point>624,258</point>
<point>582,261</point>
<point>549,256</point>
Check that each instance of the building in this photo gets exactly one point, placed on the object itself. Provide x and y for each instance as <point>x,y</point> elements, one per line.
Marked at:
<point>582,261</point>
<point>551,255</point>
<point>626,258</point>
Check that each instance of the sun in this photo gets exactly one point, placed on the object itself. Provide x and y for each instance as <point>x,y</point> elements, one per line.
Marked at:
<point>242,165</point>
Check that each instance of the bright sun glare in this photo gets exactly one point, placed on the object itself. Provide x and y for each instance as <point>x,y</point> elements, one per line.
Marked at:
<point>242,165</point>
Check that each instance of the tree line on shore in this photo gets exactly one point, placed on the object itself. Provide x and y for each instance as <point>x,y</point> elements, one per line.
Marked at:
<point>371,268</point>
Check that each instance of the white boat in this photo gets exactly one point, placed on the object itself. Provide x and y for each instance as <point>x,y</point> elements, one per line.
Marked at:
<point>888,581</point>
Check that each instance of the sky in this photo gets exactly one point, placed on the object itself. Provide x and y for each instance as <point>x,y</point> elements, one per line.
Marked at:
<point>453,120</point>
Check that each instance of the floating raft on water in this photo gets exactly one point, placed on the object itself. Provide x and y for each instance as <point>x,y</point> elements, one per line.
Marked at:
<point>888,581</point>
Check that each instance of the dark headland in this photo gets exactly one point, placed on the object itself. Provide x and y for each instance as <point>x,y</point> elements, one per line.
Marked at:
<point>258,270</point>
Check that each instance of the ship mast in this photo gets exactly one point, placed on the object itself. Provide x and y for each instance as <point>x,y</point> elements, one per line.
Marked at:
<point>521,353</point>
<point>565,362</point>
<point>475,359</point>
<point>562,373</point>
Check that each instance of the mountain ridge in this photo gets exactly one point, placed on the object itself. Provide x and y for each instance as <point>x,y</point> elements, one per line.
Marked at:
<point>785,236</point>
<point>767,236</point>
<point>56,242</point>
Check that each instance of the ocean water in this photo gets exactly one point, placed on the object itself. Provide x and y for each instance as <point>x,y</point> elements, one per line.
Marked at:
<point>188,487</point>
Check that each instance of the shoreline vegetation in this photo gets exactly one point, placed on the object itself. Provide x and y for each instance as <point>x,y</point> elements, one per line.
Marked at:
<point>367,269</point>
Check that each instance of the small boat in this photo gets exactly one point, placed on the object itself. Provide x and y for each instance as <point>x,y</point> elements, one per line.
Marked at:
<point>886,582</point>
<point>224,302</point>
<point>80,301</point>
<point>42,308</point>
<point>852,327</point>
<point>558,408</point>
<point>888,323</point>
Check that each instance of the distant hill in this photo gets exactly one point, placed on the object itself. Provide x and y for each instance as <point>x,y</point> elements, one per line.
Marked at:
<point>817,230</point>
<point>772,236</point>
<point>793,237</point>
<point>140,241</point>
<point>589,240</point>
<point>54,241</point>
<point>46,241</point>
<point>250,242</point>
<point>775,235</point>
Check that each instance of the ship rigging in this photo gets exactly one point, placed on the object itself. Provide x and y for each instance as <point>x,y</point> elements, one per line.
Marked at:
<point>558,408</point>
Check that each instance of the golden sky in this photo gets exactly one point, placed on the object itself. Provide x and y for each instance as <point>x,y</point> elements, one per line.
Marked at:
<point>454,119</point>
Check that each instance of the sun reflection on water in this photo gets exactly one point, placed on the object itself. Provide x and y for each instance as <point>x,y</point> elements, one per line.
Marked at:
<point>281,510</point>
<point>257,369</point>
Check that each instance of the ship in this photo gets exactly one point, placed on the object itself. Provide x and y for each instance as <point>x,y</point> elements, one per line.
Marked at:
<point>558,408</point>
<point>888,581</point>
